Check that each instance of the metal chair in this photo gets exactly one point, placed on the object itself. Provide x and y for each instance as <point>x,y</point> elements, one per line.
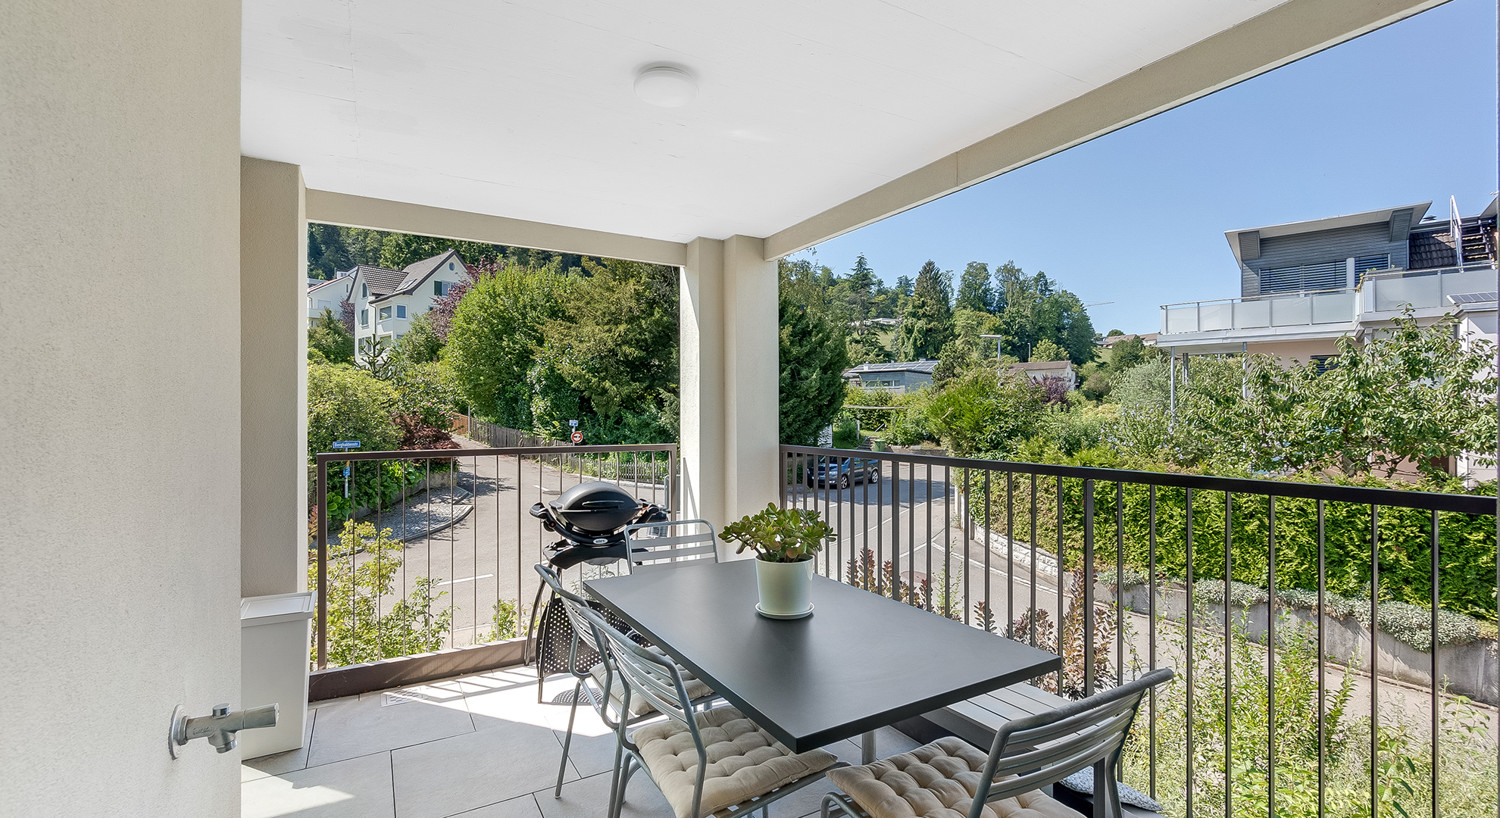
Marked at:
<point>1026,754</point>
<point>742,781</point>
<point>608,700</point>
<point>670,543</point>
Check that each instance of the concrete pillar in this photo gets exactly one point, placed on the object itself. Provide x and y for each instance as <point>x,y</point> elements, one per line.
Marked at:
<point>119,402</point>
<point>701,381</point>
<point>273,386</point>
<point>729,383</point>
<point>752,345</point>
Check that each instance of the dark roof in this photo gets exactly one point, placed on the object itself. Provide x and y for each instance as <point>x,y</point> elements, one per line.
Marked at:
<point>419,271</point>
<point>380,280</point>
<point>1431,248</point>
<point>924,367</point>
<point>1041,366</point>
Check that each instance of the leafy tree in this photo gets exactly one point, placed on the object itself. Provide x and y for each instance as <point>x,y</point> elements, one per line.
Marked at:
<point>617,347</point>
<point>419,345</point>
<point>867,349</point>
<point>442,310</point>
<point>494,336</point>
<point>981,413</point>
<point>1062,319</point>
<point>344,403</point>
<point>346,316</point>
<point>375,357</point>
<point>400,249</point>
<point>814,355</point>
<point>327,337</point>
<point>1410,394</point>
<point>974,290</point>
<point>1046,350</point>
<point>968,349</point>
<point>363,624</point>
<point>927,317</point>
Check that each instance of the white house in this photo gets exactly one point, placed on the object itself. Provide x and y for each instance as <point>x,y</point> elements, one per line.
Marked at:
<point>385,301</point>
<point>326,295</point>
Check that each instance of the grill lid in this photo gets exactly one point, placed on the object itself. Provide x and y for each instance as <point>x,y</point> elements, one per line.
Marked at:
<point>595,508</point>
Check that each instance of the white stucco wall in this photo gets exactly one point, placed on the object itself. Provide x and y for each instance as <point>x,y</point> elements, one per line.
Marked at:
<point>120,411</point>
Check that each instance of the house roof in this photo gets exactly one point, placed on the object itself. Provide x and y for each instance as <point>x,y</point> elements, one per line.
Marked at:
<point>414,274</point>
<point>380,280</point>
<point>1041,366</point>
<point>342,279</point>
<point>923,367</point>
<point>1330,223</point>
<point>1111,340</point>
<point>1431,248</point>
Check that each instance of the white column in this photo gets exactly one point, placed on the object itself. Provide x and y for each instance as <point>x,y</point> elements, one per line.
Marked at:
<point>729,384</point>
<point>119,402</point>
<point>273,387</point>
<point>701,381</point>
<point>752,345</point>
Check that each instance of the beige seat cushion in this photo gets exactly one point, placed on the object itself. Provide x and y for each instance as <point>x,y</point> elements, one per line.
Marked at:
<point>638,705</point>
<point>744,761</point>
<point>936,780</point>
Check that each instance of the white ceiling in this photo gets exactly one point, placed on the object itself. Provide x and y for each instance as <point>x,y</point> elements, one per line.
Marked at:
<point>525,109</point>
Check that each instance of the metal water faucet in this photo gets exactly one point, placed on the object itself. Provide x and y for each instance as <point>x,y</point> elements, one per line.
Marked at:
<point>220,726</point>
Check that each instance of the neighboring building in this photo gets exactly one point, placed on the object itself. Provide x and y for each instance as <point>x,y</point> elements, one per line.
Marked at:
<point>385,301</point>
<point>1040,371</point>
<point>1477,320</point>
<point>1303,285</point>
<point>327,295</point>
<point>1109,341</point>
<point>896,377</point>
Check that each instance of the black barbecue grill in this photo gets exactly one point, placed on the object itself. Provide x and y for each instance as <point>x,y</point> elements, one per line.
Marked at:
<point>591,519</point>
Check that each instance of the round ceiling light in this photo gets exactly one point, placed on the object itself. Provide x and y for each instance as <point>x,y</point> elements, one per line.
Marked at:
<point>665,86</point>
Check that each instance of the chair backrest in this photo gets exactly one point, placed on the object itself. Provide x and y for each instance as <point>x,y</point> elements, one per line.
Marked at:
<point>645,674</point>
<point>670,543</point>
<point>574,606</point>
<point>1043,749</point>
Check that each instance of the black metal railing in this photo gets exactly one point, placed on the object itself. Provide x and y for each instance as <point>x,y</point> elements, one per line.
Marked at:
<point>1335,645</point>
<point>415,552</point>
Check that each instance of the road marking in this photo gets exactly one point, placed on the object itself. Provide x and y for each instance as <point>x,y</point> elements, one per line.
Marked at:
<point>465,579</point>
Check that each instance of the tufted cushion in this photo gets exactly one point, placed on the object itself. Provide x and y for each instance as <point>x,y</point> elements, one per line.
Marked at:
<point>743,760</point>
<point>638,705</point>
<point>936,780</point>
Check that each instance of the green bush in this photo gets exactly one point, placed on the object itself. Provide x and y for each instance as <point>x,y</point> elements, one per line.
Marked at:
<point>363,623</point>
<point>344,403</point>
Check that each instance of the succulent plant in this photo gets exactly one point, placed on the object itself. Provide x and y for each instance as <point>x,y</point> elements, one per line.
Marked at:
<point>779,534</point>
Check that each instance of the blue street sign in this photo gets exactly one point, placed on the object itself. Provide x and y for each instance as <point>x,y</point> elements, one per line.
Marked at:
<point>346,471</point>
<point>346,444</point>
<point>573,423</point>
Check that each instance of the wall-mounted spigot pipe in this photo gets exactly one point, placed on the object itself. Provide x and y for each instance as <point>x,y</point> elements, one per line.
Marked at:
<point>220,726</point>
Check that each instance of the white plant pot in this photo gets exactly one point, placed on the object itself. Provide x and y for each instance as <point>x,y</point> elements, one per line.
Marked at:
<point>785,588</point>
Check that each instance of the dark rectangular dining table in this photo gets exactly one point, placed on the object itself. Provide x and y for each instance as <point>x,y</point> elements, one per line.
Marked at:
<point>858,662</point>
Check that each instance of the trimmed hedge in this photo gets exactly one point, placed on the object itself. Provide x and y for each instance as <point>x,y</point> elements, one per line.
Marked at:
<point>1466,542</point>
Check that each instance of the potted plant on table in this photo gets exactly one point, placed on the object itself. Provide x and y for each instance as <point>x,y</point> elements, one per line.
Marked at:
<point>784,541</point>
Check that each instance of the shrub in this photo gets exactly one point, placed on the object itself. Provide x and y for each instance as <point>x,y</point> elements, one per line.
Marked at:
<point>363,624</point>
<point>344,403</point>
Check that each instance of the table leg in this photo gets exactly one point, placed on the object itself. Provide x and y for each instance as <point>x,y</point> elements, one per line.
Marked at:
<point>867,748</point>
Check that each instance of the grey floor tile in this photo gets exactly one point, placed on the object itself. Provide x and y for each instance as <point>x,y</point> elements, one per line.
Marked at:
<point>520,807</point>
<point>386,722</point>
<point>357,788</point>
<point>281,762</point>
<point>589,797</point>
<point>468,771</point>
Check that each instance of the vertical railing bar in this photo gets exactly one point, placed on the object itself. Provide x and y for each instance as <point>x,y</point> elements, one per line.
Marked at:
<point>1151,635</point>
<point>474,512</point>
<point>1031,616</point>
<point>379,521</point>
<point>968,538</point>
<point>989,609</point>
<point>1191,602</point>
<point>1010,554</point>
<point>1228,653</point>
<point>879,561</point>
<point>1088,587</point>
<point>1322,621</point>
<point>1119,583</point>
<point>1436,679</point>
<point>927,603</point>
<point>911,479</point>
<point>1375,659</point>
<point>948,504</point>
<point>322,479</point>
<point>1061,583</point>
<point>452,564</point>
<point>1271,655</point>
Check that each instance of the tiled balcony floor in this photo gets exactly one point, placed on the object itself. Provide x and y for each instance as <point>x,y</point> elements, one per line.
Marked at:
<point>476,746</point>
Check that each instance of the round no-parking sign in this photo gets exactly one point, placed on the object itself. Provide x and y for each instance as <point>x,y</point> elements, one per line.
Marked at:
<point>577,437</point>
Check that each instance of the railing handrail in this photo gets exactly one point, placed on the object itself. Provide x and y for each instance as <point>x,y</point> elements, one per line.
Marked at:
<point>1369,275</point>
<point>1389,498</point>
<point>424,454</point>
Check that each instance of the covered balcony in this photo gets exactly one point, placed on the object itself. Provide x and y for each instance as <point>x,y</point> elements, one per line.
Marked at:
<point>165,157</point>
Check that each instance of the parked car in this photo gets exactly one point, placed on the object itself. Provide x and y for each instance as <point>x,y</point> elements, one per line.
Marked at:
<point>843,472</point>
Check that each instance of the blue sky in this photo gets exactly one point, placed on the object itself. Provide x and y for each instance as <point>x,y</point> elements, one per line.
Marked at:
<point>1404,114</point>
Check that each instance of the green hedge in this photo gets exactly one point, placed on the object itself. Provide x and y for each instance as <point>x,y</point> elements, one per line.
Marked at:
<point>1466,542</point>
